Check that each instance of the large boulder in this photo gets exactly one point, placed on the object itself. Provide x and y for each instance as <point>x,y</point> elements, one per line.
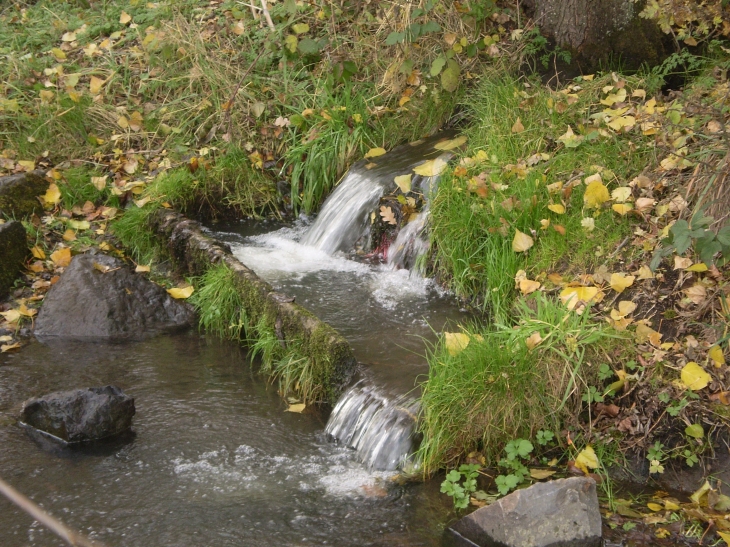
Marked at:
<point>82,414</point>
<point>99,297</point>
<point>560,513</point>
<point>13,250</point>
<point>19,193</point>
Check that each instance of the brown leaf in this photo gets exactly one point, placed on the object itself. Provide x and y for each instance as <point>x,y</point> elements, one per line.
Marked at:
<point>387,215</point>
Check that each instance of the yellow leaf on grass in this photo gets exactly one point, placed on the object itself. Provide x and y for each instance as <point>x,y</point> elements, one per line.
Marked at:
<point>431,168</point>
<point>69,235</point>
<point>11,316</point>
<point>296,408</point>
<point>404,183</point>
<point>125,18</point>
<point>528,286</point>
<point>450,144</point>
<point>621,194</point>
<point>374,152</point>
<point>596,195</point>
<point>587,459</point>
<point>694,376</point>
<point>533,340</point>
<point>654,506</point>
<point>557,208</point>
<point>38,253</point>
<point>716,355</point>
<point>181,293</point>
<point>517,127</point>
<point>521,242</point>
<point>61,257</point>
<point>58,53</point>
<point>699,267</point>
<point>52,195</point>
<point>456,342</point>
<point>570,296</point>
<point>613,98</point>
<point>570,139</point>
<point>99,182</point>
<point>621,208</point>
<point>620,281</point>
<point>95,85</point>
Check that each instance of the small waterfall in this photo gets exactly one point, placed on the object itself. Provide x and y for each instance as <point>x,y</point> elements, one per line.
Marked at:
<point>344,216</point>
<point>411,244</point>
<point>380,428</point>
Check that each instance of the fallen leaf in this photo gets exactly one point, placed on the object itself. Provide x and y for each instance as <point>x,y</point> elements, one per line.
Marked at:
<point>698,267</point>
<point>11,316</point>
<point>700,493</point>
<point>622,208</point>
<point>431,168</point>
<point>644,333</point>
<point>69,235</point>
<point>644,273</point>
<point>715,353</point>
<point>99,182</point>
<point>681,263</point>
<point>694,376</point>
<point>557,208</point>
<point>596,195</point>
<point>533,340</point>
<point>696,431</point>
<point>541,474</point>
<point>38,253</point>
<point>696,293</point>
<point>587,459</point>
<point>296,408</point>
<point>387,214</point>
<point>95,85</point>
<point>571,296</point>
<point>52,195</point>
<point>621,194</point>
<point>625,307</point>
<point>644,204</point>
<point>456,342</point>
<point>142,269</point>
<point>450,144</point>
<point>8,347</point>
<point>654,506</point>
<point>521,242</point>
<point>62,257</point>
<point>517,127</point>
<point>125,18</point>
<point>181,293</point>
<point>404,183</point>
<point>620,281</point>
<point>570,139</point>
<point>528,286</point>
<point>374,153</point>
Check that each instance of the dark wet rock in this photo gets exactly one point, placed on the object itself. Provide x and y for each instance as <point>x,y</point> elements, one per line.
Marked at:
<point>99,297</point>
<point>82,414</point>
<point>13,250</point>
<point>19,193</point>
<point>560,513</point>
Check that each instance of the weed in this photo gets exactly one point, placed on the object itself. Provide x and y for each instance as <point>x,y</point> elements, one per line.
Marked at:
<point>461,491</point>
<point>516,451</point>
<point>219,305</point>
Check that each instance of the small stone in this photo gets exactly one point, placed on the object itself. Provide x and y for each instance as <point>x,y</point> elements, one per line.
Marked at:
<point>80,415</point>
<point>560,513</point>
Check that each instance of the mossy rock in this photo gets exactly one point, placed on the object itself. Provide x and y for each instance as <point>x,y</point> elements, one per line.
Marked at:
<point>19,194</point>
<point>13,250</point>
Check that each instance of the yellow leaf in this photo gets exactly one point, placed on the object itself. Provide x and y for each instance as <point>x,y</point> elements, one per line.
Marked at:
<point>374,152</point>
<point>99,182</point>
<point>681,263</point>
<point>58,53</point>
<point>517,127</point>
<point>654,506</point>
<point>571,296</point>
<point>621,208</point>
<point>79,224</point>
<point>541,474</point>
<point>621,194</point>
<point>68,37</point>
<point>181,293</point>
<point>716,355</point>
<point>38,253</point>
<point>11,316</point>
<point>694,376</point>
<point>125,18</point>
<point>521,242</point>
<point>296,408</point>
<point>528,286</point>
<point>52,195</point>
<point>698,267</point>
<point>135,121</point>
<point>123,122</point>
<point>596,195</point>
<point>725,536</point>
<point>387,214</point>
<point>533,340</point>
<point>450,144</point>
<point>701,493</point>
<point>557,208</point>
<point>621,281</point>
<point>142,269</point>
<point>430,168</point>
<point>671,506</point>
<point>644,273</point>
<point>142,202</point>
<point>645,333</point>
<point>612,98</point>
<point>8,347</point>
<point>621,122</point>
<point>570,139</point>
<point>62,257</point>
<point>456,342</point>
<point>404,183</point>
<point>587,459</point>
<point>625,307</point>
<point>95,85</point>
<point>69,235</point>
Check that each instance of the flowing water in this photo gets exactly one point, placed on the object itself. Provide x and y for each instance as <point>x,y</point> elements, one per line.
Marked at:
<point>214,459</point>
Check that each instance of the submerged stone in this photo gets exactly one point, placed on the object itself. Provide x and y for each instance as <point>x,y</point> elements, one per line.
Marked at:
<point>99,297</point>
<point>560,513</point>
<point>19,193</point>
<point>82,414</point>
<point>13,250</point>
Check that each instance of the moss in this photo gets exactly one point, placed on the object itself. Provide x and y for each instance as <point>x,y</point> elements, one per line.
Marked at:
<point>19,194</point>
<point>13,250</point>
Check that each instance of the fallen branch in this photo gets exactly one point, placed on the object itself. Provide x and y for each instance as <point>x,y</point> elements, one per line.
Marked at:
<point>56,526</point>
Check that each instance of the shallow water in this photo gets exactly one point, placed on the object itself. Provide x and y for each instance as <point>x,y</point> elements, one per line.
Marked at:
<point>214,459</point>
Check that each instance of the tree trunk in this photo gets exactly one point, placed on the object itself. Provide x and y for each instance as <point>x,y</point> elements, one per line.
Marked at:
<point>599,31</point>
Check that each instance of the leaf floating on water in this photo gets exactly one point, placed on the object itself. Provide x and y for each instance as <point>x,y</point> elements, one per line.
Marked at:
<point>450,144</point>
<point>298,408</point>
<point>431,168</point>
<point>404,183</point>
<point>521,242</point>
<point>456,342</point>
<point>181,293</point>
<point>374,153</point>
<point>387,214</point>
<point>694,376</point>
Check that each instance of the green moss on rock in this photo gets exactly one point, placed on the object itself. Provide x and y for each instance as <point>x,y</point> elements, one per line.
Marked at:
<point>13,250</point>
<point>19,194</point>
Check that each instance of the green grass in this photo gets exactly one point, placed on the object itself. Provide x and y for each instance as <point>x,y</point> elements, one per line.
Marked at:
<point>497,389</point>
<point>219,305</point>
<point>471,235</point>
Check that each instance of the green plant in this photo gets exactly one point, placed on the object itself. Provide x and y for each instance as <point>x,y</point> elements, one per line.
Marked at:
<point>219,305</point>
<point>461,492</point>
<point>516,450</point>
<point>544,437</point>
<point>592,395</point>
<point>695,233</point>
<point>656,456</point>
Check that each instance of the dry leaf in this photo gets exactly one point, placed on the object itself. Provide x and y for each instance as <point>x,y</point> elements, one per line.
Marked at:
<point>621,194</point>
<point>533,340</point>
<point>621,281</point>
<point>518,127</point>
<point>95,85</point>
<point>52,195</point>
<point>715,353</point>
<point>431,168</point>
<point>528,286</point>
<point>456,342</point>
<point>387,214</point>
<point>125,18</point>
<point>681,263</point>
<point>571,296</point>
<point>38,253</point>
<point>99,182</point>
<point>142,269</point>
<point>644,273</point>
<point>557,208</point>
<point>587,459</point>
<point>450,144</point>
<point>296,408</point>
<point>541,474</point>
<point>596,195</point>
<point>521,242</point>
<point>181,293</point>
<point>62,257</point>
<point>404,183</point>
<point>694,376</point>
<point>621,208</point>
<point>374,153</point>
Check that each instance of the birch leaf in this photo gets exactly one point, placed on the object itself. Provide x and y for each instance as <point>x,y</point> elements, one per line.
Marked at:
<point>716,355</point>
<point>596,195</point>
<point>694,376</point>
<point>450,144</point>
<point>456,342</point>
<point>621,281</point>
<point>181,294</point>
<point>374,152</point>
<point>404,183</point>
<point>431,168</point>
<point>521,242</point>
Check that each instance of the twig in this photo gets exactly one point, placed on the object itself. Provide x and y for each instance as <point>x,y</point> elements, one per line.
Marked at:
<point>227,119</point>
<point>56,526</point>
<point>267,16</point>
